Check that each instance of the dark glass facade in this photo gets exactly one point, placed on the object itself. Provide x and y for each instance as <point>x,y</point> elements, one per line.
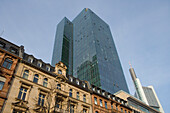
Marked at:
<point>94,57</point>
<point>62,50</point>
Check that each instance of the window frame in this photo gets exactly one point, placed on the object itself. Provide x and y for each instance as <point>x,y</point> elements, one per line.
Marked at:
<point>45,82</point>
<point>95,100</point>
<point>72,108</point>
<point>41,99</point>
<point>78,95</point>
<point>121,110</point>
<point>2,85</point>
<point>7,63</point>
<point>70,93</point>
<point>101,103</point>
<point>36,78</point>
<point>105,104</point>
<point>25,74</point>
<point>84,98</point>
<point>22,93</point>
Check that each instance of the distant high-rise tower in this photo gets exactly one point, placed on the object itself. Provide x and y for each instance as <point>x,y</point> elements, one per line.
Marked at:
<point>94,54</point>
<point>146,94</point>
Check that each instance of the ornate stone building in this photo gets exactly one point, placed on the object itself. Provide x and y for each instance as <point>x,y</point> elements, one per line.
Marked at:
<point>9,56</point>
<point>38,87</point>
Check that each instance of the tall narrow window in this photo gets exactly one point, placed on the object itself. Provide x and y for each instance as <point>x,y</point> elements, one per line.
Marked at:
<point>111,106</point>
<point>45,82</point>
<point>105,104</point>
<point>59,86</point>
<point>1,85</point>
<point>78,97</point>
<point>22,93</point>
<point>101,103</point>
<point>41,99</point>
<point>84,98</point>
<point>70,93</point>
<point>25,74</point>
<point>95,100</point>
<point>122,110</point>
<point>7,63</point>
<point>2,82</point>
<point>36,78</point>
<point>71,108</point>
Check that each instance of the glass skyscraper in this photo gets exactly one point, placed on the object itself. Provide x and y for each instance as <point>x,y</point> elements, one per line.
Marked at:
<point>92,54</point>
<point>62,50</point>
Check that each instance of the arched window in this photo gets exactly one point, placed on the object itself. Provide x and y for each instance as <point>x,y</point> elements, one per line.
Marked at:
<point>36,78</point>
<point>25,74</point>
<point>7,63</point>
<point>70,93</point>
<point>45,82</point>
<point>96,112</point>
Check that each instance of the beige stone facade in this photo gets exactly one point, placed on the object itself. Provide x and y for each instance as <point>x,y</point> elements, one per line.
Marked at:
<point>37,90</point>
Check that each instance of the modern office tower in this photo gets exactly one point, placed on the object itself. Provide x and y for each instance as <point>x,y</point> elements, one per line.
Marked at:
<point>152,98</point>
<point>146,94</point>
<point>62,50</point>
<point>95,58</point>
<point>139,90</point>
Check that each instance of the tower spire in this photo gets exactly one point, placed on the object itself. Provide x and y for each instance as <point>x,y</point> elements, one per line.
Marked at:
<point>130,64</point>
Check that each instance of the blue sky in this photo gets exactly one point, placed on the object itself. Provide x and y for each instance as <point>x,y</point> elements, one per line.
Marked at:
<point>140,29</point>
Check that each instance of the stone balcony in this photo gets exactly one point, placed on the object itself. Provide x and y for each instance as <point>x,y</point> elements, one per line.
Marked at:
<point>61,92</point>
<point>58,110</point>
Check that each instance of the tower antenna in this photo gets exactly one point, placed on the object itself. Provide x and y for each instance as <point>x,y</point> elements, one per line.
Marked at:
<point>130,64</point>
<point>2,32</point>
